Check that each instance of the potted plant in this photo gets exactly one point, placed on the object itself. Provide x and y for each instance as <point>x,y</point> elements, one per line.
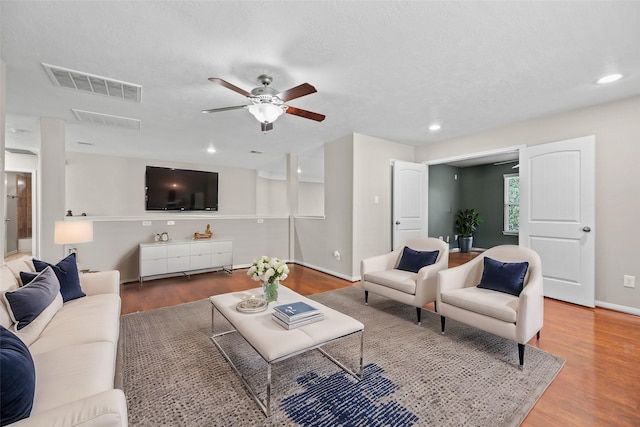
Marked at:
<point>467,222</point>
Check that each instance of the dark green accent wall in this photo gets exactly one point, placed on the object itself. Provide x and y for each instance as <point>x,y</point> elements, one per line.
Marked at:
<point>477,187</point>
<point>444,201</point>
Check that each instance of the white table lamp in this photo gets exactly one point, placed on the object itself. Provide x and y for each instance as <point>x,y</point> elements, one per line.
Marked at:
<point>70,232</point>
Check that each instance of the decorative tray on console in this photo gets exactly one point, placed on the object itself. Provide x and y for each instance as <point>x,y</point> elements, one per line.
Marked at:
<point>252,305</point>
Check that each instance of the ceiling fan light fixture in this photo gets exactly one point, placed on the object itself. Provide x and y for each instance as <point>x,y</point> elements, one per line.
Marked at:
<point>265,113</point>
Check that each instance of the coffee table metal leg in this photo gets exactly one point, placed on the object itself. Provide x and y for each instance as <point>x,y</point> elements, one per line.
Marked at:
<point>357,375</point>
<point>268,389</point>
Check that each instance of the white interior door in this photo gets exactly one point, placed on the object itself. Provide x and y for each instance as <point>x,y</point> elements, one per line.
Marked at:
<point>409,218</point>
<point>557,213</point>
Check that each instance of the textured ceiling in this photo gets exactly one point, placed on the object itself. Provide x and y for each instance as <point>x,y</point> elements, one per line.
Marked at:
<point>384,69</point>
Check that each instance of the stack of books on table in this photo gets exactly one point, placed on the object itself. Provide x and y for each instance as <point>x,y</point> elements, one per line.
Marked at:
<point>296,314</point>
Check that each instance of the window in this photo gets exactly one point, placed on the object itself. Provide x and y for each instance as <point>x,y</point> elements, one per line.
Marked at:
<point>511,203</point>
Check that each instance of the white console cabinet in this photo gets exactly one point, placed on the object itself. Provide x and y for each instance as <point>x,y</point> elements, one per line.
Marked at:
<point>185,256</point>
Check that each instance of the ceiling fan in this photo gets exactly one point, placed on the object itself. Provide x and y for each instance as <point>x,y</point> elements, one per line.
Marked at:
<point>267,104</point>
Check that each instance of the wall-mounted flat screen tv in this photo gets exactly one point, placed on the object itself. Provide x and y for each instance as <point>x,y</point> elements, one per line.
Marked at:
<point>170,189</point>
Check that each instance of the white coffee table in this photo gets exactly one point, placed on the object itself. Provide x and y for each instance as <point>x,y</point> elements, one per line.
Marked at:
<point>274,343</point>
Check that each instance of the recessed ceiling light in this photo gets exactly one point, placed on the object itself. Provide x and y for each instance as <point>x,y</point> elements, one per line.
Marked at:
<point>211,150</point>
<point>434,127</point>
<point>610,78</point>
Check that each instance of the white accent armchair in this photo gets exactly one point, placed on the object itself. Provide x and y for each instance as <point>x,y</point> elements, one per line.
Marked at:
<point>514,317</point>
<point>380,276</point>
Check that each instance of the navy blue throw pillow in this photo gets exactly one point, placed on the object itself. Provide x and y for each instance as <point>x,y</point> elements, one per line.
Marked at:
<point>507,277</point>
<point>26,303</point>
<point>17,378</point>
<point>67,273</point>
<point>413,260</point>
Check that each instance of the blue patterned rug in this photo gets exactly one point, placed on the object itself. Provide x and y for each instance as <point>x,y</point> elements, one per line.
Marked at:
<point>174,375</point>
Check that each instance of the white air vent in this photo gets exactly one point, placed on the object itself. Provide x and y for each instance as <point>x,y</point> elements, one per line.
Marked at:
<point>106,119</point>
<point>85,82</point>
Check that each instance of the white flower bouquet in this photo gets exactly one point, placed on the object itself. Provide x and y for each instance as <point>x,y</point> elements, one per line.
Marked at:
<point>270,271</point>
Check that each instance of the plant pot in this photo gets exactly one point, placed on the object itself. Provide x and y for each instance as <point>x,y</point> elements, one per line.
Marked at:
<point>465,244</point>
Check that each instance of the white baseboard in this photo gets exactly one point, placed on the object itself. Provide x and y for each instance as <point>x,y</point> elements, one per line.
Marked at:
<point>617,307</point>
<point>324,270</point>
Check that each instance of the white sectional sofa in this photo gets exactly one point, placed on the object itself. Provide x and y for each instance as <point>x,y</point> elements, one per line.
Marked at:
<point>75,355</point>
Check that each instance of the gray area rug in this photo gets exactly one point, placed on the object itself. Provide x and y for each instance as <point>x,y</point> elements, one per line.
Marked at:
<point>172,374</point>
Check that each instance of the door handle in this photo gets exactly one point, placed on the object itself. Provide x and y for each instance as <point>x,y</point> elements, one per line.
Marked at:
<point>586,229</point>
<point>397,222</point>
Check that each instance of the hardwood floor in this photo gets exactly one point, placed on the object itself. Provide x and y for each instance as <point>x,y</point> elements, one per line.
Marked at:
<point>599,384</point>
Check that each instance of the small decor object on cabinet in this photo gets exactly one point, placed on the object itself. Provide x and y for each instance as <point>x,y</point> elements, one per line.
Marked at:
<point>271,271</point>
<point>206,235</point>
<point>164,237</point>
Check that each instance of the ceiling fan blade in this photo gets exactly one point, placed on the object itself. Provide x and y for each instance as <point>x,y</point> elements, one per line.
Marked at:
<point>215,110</point>
<point>297,92</point>
<point>306,114</point>
<point>266,126</point>
<point>229,86</point>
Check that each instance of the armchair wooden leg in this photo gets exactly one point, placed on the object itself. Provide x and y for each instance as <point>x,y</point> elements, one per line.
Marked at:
<point>521,355</point>
<point>435,306</point>
<point>442,320</point>
<point>366,297</point>
<point>538,335</point>
<point>419,313</point>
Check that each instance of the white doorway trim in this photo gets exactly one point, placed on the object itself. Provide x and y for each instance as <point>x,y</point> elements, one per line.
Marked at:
<point>515,148</point>
<point>34,207</point>
<point>480,154</point>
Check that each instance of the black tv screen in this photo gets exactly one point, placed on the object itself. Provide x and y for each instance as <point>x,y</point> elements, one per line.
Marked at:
<point>181,190</point>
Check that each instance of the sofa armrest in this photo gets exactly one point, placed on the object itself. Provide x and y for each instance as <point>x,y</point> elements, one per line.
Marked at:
<point>105,409</point>
<point>462,276</point>
<point>530,310</point>
<point>101,282</point>
<point>379,263</point>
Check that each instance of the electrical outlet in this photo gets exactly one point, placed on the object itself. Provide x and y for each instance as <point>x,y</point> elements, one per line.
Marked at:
<point>629,281</point>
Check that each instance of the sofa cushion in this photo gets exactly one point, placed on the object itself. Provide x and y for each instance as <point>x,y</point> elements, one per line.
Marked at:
<point>498,305</point>
<point>505,277</point>
<point>27,303</point>
<point>67,273</point>
<point>71,373</point>
<point>8,282</point>
<point>82,321</point>
<point>20,264</point>
<point>17,378</point>
<point>413,260</point>
<point>401,280</point>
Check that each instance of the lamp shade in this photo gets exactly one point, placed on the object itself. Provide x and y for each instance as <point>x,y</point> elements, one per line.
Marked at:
<point>265,113</point>
<point>73,232</point>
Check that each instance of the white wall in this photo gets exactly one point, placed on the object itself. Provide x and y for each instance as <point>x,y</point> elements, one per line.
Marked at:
<point>315,238</point>
<point>2,152</point>
<point>110,190</point>
<point>616,126</point>
<point>372,177</point>
<point>51,179</point>
<point>114,186</point>
<point>357,168</point>
<point>310,198</point>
